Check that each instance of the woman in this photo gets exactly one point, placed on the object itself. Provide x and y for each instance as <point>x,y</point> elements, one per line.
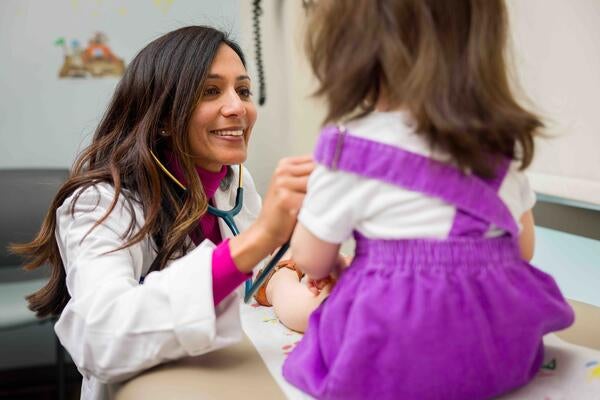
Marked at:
<point>185,103</point>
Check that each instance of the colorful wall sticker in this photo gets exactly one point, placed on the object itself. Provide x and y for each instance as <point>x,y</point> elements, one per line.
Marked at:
<point>96,60</point>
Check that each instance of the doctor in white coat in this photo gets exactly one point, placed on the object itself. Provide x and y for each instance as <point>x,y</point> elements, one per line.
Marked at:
<point>186,100</point>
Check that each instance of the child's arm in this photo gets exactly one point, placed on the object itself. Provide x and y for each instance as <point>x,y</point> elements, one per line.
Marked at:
<point>293,301</point>
<point>527,236</point>
<point>312,255</point>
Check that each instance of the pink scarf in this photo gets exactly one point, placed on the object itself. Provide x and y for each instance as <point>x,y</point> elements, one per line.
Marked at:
<point>208,223</point>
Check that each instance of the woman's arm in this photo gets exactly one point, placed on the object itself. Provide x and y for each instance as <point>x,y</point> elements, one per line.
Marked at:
<point>277,218</point>
<point>113,327</point>
<point>527,236</point>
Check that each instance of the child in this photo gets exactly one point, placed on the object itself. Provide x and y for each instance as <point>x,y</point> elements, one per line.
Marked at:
<point>439,301</point>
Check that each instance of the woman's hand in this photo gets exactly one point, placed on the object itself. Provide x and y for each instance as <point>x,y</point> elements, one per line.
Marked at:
<point>284,198</point>
<point>277,218</point>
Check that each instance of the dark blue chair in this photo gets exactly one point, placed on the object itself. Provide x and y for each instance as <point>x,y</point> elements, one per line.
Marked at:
<point>25,196</point>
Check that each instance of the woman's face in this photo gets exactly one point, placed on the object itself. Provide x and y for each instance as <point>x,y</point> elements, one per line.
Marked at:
<point>222,121</point>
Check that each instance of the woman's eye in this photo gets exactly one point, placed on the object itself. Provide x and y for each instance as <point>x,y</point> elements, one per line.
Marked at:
<point>211,91</point>
<point>244,92</point>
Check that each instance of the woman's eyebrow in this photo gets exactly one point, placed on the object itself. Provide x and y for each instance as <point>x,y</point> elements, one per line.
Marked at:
<point>217,76</point>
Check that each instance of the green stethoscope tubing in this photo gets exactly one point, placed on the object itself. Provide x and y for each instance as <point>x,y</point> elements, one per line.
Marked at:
<point>227,217</point>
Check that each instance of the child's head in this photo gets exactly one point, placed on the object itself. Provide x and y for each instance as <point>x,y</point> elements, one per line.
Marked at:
<point>441,60</point>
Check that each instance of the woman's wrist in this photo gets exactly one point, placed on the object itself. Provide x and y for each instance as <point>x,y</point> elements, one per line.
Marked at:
<point>250,247</point>
<point>225,274</point>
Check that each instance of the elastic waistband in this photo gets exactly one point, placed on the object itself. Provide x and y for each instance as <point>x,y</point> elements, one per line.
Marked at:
<point>451,252</point>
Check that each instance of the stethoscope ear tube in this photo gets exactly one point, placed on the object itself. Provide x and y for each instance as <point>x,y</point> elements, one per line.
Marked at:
<point>252,288</point>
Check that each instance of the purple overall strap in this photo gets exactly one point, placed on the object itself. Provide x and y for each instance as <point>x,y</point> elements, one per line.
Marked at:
<point>466,224</point>
<point>339,150</point>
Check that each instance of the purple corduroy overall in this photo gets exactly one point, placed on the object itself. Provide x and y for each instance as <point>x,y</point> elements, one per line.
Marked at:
<point>459,318</point>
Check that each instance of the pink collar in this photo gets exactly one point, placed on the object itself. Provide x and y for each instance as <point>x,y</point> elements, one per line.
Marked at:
<point>210,180</point>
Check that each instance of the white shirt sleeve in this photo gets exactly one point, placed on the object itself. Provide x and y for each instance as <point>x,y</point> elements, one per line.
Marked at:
<point>330,208</point>
<point>517,194</point>
<point>113,327</point>
<point>528,198</point>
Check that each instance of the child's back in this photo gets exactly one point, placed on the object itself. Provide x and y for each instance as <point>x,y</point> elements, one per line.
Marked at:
<point>377,209</point>
<point>447,308</point>
<point>438,302</point>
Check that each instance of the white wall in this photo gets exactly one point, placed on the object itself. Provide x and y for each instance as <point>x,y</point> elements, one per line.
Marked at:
<point>45,121</point>
<point>557,58</point>
<point>557,62</point>
<point>288,124</point>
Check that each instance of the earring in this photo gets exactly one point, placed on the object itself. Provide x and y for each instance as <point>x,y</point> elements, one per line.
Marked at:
<point>164,133</point>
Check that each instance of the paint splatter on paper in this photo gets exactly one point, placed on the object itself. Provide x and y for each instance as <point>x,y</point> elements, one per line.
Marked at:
<point>593,370</point>
<point>287,349</point>
<point>550,365</point>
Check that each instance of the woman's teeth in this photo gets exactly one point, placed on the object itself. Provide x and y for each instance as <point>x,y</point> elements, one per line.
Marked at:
<point>228,132</point>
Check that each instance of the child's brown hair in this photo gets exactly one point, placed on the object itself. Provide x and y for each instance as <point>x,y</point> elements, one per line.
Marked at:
<point>441,60</point>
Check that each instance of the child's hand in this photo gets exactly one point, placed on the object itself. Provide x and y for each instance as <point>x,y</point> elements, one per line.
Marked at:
<point>317,285</point>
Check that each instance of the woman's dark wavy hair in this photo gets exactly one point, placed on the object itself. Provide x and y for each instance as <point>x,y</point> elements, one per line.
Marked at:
<point>441,60</point>
<point>158,93</point>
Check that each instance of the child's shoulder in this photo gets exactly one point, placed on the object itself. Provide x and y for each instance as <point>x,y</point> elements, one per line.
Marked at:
<point>394,128</point>
<point>516,191</point>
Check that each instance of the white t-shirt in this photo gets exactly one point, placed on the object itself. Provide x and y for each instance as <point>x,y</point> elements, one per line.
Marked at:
<point>339,202</point>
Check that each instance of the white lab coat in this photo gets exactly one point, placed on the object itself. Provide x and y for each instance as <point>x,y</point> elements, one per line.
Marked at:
<point>113,327</point>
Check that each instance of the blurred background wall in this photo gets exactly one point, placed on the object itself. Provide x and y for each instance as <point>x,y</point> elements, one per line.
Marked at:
<point>45,121</point>
<point>557,59</point>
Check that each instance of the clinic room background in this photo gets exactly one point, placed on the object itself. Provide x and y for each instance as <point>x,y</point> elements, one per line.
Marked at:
<point>50,105</point>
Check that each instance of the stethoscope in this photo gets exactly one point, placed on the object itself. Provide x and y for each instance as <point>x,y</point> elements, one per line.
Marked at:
<point>227,217</point>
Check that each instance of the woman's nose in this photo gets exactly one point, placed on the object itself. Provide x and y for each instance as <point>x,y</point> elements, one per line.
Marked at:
<point>233,105</point>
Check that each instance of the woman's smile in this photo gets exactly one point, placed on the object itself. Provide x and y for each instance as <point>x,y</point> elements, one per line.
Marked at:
<point>222,121</point>
<point>228,133</point>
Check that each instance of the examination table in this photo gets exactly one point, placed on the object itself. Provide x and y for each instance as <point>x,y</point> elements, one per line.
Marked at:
<point>240,372</point>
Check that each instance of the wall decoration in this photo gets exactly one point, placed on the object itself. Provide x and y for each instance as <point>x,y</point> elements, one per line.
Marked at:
<point>163,5</point>
<point>96,60</point>
<point>69,108</point>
